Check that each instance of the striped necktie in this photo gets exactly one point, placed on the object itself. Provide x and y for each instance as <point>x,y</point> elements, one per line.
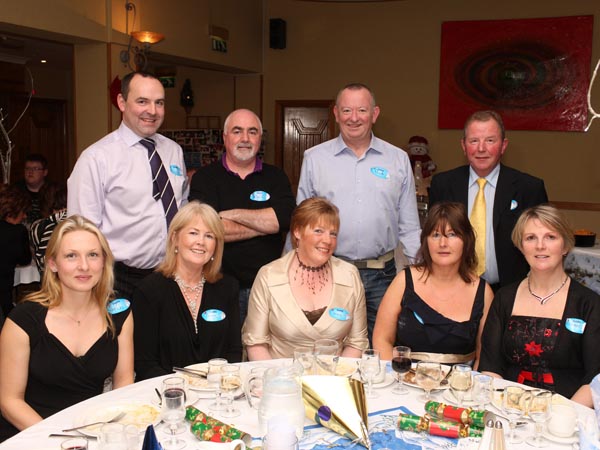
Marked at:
<point>478,222</point>
<point>161,186</point>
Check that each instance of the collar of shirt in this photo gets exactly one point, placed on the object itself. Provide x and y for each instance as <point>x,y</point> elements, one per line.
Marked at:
<point>492,177</point>
<point>340,145</point>
<point>258,165</point>
<point>130,137</point>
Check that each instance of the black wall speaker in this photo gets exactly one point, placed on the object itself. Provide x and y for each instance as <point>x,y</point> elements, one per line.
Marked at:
<point>277,33</point>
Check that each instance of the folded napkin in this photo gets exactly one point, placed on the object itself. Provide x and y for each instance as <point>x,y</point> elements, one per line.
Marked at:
<point>150,441</point>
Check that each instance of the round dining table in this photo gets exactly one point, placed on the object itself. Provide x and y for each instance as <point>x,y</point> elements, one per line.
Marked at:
<point>383,412</point>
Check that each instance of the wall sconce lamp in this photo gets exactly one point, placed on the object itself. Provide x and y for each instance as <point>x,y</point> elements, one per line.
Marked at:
<point>145,38</point>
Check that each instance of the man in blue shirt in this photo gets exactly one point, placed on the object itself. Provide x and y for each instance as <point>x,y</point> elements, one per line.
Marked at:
<point>371,183</point>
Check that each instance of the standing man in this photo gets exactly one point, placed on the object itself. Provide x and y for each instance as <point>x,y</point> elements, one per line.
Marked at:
<point>254,200</point>
<point>33,183</point>
<point>371,183</point>
<point>506,193</point>
<point>131,182</point>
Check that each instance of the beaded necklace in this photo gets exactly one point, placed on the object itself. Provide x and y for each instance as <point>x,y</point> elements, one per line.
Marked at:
<point>192,296</point>
<point>312,275</point>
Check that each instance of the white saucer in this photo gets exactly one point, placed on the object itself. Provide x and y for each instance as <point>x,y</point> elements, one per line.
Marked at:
<point>561,440</point>
<point>448,395</point>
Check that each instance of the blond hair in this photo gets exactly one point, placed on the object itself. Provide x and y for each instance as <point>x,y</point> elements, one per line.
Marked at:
<point>550,217</point>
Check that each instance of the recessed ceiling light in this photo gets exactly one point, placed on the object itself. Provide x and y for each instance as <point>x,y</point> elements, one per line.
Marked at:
<point>43,61</point>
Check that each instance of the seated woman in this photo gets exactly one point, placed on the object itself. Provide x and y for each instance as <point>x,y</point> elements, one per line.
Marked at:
<point>307,294</point>
<point>438,306</point>
<point>14,241</point>
<point>59,345</point>
<point>544,331</point>
<point>187,311</point>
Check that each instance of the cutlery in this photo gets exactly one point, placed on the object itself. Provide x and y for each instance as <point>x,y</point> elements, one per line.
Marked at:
<point>192,372</point>
<point>519,423</point>
<point>102,422</point>
<point>65,435</point>
<point>159,396</point>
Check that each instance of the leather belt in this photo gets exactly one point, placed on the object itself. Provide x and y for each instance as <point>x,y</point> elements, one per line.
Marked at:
<point>378,263</point>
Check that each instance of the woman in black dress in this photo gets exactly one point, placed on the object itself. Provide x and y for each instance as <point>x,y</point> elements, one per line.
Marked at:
<point>187,311</point>
<point>59,345</point>
<point>544,331</point>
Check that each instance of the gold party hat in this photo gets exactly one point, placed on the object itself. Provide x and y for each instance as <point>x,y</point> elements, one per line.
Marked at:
<point>337,403</point>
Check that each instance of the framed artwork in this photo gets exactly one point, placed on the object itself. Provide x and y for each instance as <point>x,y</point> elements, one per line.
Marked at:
<point>534,72</point>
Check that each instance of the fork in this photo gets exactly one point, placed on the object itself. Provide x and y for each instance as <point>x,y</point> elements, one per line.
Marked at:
<point>102,422</point>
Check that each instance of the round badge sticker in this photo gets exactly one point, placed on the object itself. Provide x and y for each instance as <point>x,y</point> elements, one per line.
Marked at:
<point>118,305</point>
<point>339,314</point>
<point>176,170</point>
<point>260,196</point>
<point>380,172</point>
<point>213,315</point>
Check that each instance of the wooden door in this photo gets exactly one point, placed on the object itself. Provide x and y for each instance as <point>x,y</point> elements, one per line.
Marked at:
<point>300,125</point>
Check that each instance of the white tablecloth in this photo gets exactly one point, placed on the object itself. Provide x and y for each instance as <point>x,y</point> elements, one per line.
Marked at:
<point>26,274</point>
<point>583,263</point>
<point>36,437</point>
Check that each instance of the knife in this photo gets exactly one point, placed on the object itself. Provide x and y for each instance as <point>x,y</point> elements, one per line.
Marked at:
<point>82,436</point>
<point>192,372</point>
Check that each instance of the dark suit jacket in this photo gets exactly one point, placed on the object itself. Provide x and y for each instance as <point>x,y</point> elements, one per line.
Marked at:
<point>513,185</point>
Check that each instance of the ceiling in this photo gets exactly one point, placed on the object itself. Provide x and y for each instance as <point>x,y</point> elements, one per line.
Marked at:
<point>24,50</point>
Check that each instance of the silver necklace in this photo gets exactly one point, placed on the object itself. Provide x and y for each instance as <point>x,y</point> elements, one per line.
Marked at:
<point>541,299</point>
<point>191,294</point>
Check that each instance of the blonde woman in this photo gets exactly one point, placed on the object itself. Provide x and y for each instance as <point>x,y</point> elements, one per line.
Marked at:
<point>59,345</point>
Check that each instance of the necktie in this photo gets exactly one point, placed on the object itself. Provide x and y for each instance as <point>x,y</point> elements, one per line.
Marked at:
<point>478,222</point>
<point>161,186</point>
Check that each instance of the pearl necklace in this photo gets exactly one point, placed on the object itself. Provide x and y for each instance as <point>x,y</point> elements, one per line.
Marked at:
<point>191,294</point>
<point>541,299</point>
<point>320,272</point>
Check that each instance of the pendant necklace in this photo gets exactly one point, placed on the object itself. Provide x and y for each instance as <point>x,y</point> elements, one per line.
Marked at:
<point>192,296</point>
<point>541,299</point>
<point>78,322</point>
<point>309,273</point>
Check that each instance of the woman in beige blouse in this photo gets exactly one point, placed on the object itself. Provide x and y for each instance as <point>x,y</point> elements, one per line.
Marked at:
<point>308,294</point>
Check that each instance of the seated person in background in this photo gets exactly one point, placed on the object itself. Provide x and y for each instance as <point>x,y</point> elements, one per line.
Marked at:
<point>544,330</point>
<point>34,183</point>
<point>308,294</point>
<point>438,306</point>
<point>41,230</point>
<point>187,311</point>
<point>14,243</point>
<point>59,345</point>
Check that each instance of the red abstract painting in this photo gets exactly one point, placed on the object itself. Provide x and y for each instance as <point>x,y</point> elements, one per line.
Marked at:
<point>534,72</point>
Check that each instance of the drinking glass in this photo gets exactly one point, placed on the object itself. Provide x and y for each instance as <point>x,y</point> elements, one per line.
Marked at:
<point>231,383</point>
<point>369,369</point>
<point>513,409</point>
<point>306,359</point>
<point>460,381</point>
<point>483,389</point>
<point>74,444</point>
<point>214,380</point>
<point>254,386</point>
<point>326,356</point>
<point>173,410</point>
<point>428,376</point>
<point>540,407</point>
<point>401,364</point>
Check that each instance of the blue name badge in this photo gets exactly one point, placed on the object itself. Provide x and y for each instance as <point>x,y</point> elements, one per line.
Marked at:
<point>380,172</point>
<point>339,314</point>
<point>575,325</point>
<point>213,315</point>
<point>176,170</point>
<point>118,305</point>
<point>259,196</point>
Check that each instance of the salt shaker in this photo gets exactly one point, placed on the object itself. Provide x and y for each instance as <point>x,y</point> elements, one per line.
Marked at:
<point>499,442</point>
<point>488,436</point>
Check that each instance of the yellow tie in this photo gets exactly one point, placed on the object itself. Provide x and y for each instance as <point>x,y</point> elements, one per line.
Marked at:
<point>478,222</point>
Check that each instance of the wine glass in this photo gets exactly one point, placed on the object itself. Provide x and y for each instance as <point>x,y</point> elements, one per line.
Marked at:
<point>369,369</point>
<point>428,376</point>
<point>306,359</point>
<point>460,381</point>
<point>540,407</point>
<point>482,390</point>
<point>513,410</point>
<point>401,364</point>
<point>213,378</point>
<point>173,410</point>
<point>231,382</point>
<point>326,356</point>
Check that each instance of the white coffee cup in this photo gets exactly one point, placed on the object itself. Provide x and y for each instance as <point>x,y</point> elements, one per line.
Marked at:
<point>238,444</point>
<point>563,420</point>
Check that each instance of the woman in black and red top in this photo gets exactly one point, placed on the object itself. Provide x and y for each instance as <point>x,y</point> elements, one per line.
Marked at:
<point>544,330</point>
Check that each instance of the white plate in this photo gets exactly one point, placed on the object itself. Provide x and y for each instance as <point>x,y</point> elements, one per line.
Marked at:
<point>450,398</point>
<point>445,369</point>
<point>389,379</point>
<point>557,399</point>
<point>136,413</point>
<point>197,383</point>
<point>561,440</point>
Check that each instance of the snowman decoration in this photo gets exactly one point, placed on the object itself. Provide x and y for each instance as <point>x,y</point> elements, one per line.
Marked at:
<point>418,150</point>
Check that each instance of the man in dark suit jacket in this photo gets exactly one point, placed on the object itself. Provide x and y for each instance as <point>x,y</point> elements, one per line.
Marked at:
<point>508,193</point>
